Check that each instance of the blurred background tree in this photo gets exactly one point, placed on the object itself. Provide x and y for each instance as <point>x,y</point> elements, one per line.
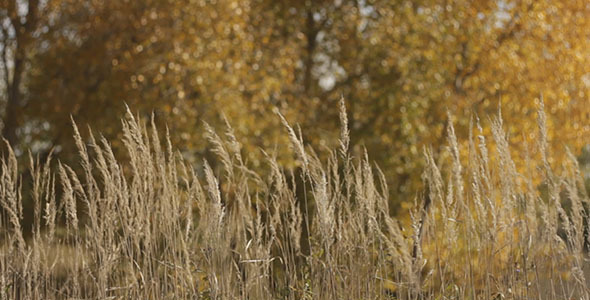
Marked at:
<point>400,65</point>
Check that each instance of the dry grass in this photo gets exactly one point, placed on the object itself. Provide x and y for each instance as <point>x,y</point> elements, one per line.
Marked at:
<point>157,228</point>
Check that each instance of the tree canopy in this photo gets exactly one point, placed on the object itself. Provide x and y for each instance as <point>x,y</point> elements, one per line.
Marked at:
<point>400,65</point>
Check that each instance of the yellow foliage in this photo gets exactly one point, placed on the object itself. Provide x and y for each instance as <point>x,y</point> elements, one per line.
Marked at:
<point>400,65</point>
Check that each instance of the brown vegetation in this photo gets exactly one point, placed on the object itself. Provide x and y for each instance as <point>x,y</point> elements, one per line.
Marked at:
<point>158,228</point>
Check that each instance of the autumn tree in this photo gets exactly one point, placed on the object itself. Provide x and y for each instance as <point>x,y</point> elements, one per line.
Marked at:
<point>400,65</point>
<point>23,26</point>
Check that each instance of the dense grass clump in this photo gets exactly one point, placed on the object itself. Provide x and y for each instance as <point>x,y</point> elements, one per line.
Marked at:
<point>157,227</point>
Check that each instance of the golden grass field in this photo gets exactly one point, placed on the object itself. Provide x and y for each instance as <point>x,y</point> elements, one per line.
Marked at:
<point>157,227</point>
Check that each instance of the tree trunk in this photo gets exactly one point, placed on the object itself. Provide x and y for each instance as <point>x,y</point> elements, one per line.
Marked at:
<point>22,37</point>
<point>13,102</point>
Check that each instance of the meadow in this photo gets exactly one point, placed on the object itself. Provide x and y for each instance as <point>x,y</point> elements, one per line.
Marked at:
<point>158,227</point>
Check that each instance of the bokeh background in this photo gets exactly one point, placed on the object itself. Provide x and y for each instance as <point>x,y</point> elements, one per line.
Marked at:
<point>399,65</point>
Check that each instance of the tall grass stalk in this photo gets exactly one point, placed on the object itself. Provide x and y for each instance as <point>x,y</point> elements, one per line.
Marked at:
<point>157,227</point>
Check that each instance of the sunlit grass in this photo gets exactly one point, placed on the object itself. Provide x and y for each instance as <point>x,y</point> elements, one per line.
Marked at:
<point>159,228</point>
